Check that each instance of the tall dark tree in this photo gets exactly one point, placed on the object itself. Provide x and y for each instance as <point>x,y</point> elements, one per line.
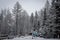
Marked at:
<point>36,20</point>
<point>1,20</point>
<point>17,9</point>
<point>55,10</point>
<point>32,21</point>
<point>45,17</point>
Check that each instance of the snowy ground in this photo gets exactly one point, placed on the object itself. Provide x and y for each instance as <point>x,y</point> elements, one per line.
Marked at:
<point>30,38</point>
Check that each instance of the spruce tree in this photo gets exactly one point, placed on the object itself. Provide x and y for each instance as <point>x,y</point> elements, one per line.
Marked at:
<point>17,9</point>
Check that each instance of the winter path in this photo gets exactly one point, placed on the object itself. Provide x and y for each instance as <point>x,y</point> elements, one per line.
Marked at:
<point>30,38</point>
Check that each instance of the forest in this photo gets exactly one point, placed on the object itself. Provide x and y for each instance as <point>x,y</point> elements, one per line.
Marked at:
<point>17,22</point>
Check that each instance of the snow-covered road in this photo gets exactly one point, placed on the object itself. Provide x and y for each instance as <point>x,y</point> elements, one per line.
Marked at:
<point>30,38</point>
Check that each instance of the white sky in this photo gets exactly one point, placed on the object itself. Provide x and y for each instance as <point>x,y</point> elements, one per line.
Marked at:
<point>28,5</point>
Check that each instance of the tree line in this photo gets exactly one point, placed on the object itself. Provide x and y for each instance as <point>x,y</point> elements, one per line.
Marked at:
<point>18,22</point>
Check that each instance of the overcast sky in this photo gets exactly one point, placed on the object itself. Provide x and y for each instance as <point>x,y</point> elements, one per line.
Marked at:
<point>28,5</point>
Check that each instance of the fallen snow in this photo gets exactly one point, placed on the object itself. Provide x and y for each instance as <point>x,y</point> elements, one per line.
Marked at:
<point>30,38</point>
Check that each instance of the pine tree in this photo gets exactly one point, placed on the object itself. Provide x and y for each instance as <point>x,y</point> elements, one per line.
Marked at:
<point>36,20</point>
<point>32,18</point>
<point>9,22</point>
<point>4,23</point>
<point>17,9</point>
<point>1,20</point>
<point>55,10</point>
<point>45,19</point>
<point>32,21</point>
